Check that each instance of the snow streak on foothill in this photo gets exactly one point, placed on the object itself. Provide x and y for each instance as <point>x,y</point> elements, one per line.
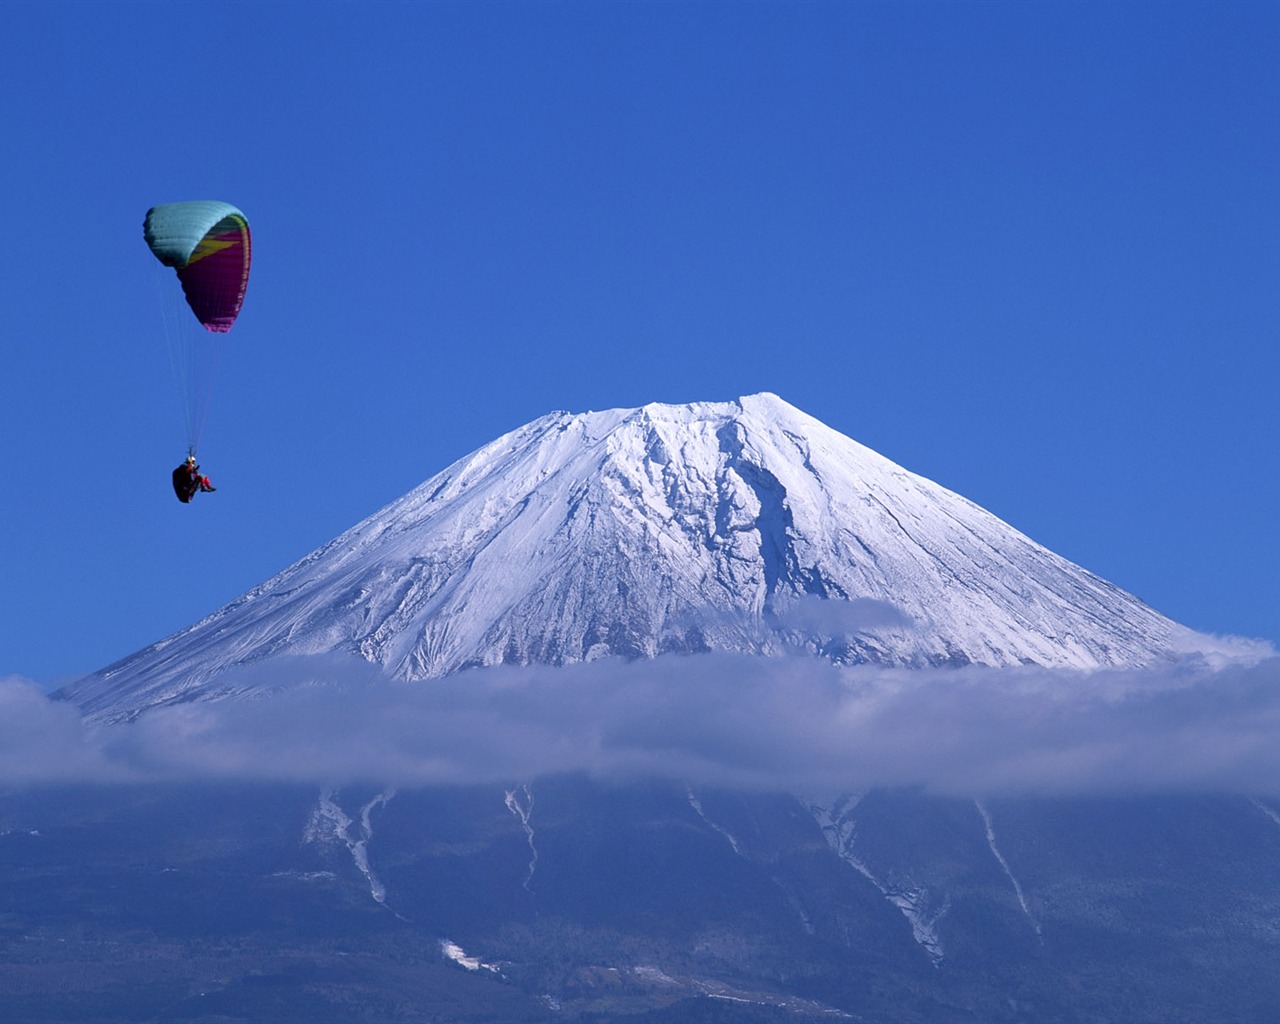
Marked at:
<point>329,823</point>
<point>838,822</point>
<point>519,802</point>
<point>1004,864</point>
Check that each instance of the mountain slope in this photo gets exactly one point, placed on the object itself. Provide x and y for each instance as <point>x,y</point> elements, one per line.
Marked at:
<point>744,526</point>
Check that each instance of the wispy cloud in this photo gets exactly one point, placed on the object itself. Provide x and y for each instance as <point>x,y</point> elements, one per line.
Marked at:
<point>45,741</point>
<point>794,723</point>
<point>840,618</point>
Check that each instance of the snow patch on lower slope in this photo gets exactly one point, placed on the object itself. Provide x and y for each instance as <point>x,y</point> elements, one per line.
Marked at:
<point>519,802</point>
<point>330,823</point>
<point>839,827</point>
<point>696,804</point>
<point>1269,812</point>
<point>656,977</point>
<point>452,951</point>
<point>995,851</point>
<point>806,919</point>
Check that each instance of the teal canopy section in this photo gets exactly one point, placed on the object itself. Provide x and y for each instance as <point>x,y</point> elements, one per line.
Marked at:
<point>173,230</point>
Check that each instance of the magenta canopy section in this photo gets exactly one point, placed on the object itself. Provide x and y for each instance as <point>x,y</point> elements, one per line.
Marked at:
<point>207,243</point>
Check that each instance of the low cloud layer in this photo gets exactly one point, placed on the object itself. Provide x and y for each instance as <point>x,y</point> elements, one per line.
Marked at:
<point>792,723</point>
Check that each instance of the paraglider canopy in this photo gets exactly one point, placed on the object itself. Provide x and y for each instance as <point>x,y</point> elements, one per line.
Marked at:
<point>207,243</point>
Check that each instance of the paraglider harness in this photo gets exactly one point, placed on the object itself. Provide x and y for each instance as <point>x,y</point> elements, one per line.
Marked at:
<point>187,480</point>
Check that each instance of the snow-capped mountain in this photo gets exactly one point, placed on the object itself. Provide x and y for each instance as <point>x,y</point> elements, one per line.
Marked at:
<point>743,526</point>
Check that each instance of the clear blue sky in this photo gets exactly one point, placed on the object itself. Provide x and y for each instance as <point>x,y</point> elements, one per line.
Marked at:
<point>1030,251</point>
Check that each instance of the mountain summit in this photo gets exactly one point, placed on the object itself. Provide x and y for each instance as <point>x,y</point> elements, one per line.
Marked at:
<point>746,526</point>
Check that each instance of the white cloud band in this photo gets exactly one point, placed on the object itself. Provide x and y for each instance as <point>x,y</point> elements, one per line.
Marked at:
<point>793,723</point>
